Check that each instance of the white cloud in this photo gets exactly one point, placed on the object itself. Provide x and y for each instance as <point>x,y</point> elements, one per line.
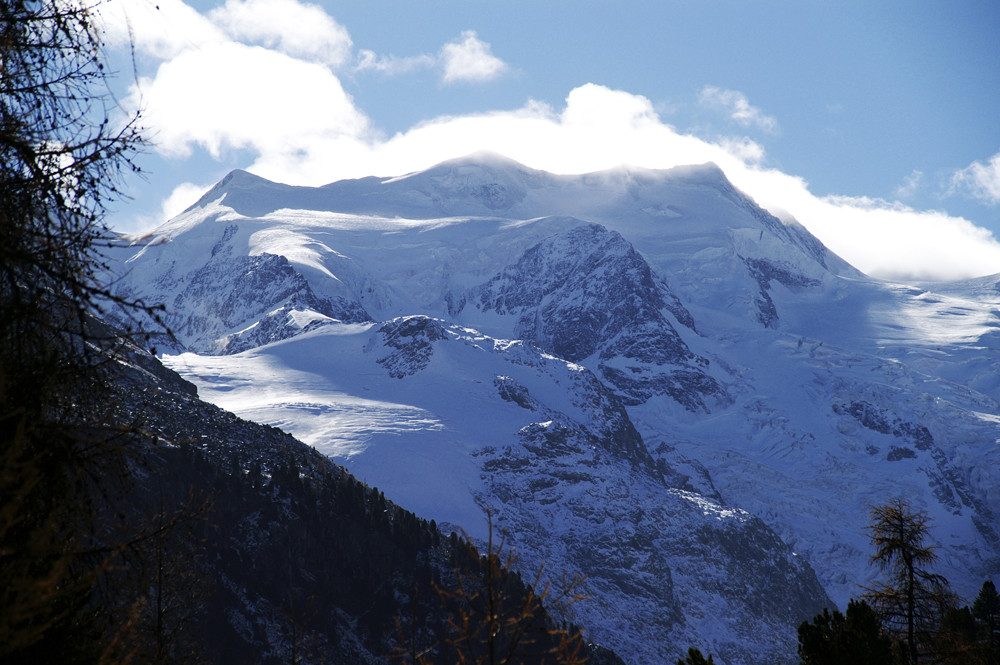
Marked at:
<point>898,242</point>
<point>181,198</point>
<point>231,95</point>
<point>736,105</point>
<point>470,60</point>
<point>391,65</point>
<point>166,28</point>
<point>742,148</point>
<point>911,185</point>
<point>598,128</point>
<point>297,29</point>
<point>979,180</point>
<point>162,29</point>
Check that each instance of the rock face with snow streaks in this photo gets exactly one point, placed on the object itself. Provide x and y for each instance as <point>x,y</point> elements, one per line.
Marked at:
<point>645,549</point>
<point>587,293</point>
<point>230,301</point>
<point>569,480</point>
<point>410,339</point>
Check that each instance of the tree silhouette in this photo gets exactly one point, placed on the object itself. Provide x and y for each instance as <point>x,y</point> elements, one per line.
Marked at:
<point>493,618</point>
<point>986,612</point>
<point>855,638</point>
<point>62,154</point>
<point>171,593</point>
<point>912,600</point>
<point>695,657</point>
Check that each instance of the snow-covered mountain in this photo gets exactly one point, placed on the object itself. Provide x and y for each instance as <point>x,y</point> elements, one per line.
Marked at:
<point>642,375</point>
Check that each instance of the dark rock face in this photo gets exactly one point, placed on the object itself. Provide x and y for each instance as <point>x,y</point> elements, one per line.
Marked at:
<point>496,196</point>
<point>562,497</point>
<point>587,292</point>
<point>410,339</point>
<point>765,272</point>
<point>884,422</point>
<point>896,453</point>
<point>279,324</point>
<point>687,388</point>
<point>909,440</point>
<point>577,289</point>
<point>608,428</point>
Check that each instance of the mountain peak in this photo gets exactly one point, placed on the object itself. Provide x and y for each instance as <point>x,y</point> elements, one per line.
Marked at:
<point>707,172</point>
<point>484,165</point>
<point>235,180</point>
<point>484,158</point>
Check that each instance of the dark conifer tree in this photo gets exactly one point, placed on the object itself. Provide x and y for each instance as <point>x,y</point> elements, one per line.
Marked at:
<point>986,611</point>
<point>695,657</point>
<point>838,639</point>
<point>956,639</point>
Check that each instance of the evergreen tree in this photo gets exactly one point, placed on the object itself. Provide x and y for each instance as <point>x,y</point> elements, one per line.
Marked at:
<point>955,641</point>
<point>836,639</point>
<point>695,657</point>
<point>986,612</point>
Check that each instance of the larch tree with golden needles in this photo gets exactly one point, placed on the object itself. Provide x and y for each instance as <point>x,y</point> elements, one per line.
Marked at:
<point>912,599</point>
<point>495,618</point>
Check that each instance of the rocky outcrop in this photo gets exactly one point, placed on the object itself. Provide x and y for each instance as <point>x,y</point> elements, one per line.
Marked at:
<point>587,293</point>
<point>574,488</point>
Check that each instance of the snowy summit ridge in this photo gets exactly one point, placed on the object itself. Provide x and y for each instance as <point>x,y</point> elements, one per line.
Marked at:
<point>643,375</point>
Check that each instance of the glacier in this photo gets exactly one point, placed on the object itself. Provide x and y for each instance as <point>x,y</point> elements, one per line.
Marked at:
<point>642,375</point>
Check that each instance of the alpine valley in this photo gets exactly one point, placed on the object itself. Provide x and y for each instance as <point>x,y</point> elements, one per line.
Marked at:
<point>641,376</point>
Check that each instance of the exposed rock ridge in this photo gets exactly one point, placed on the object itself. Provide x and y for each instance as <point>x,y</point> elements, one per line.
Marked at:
<point>587,292</point>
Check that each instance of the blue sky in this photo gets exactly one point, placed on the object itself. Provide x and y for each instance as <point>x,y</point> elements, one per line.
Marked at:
<point>875,124</point>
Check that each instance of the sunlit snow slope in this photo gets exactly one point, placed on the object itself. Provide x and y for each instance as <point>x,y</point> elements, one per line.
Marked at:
<point>616,365</point>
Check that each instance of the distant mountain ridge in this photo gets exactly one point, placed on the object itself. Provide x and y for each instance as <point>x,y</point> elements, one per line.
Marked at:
<point>611,363</point>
